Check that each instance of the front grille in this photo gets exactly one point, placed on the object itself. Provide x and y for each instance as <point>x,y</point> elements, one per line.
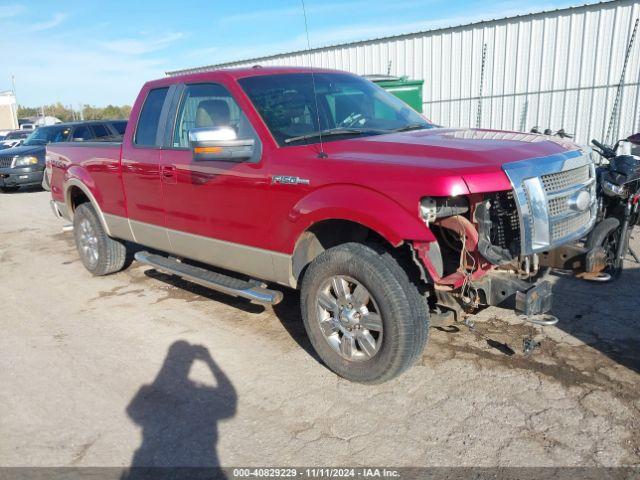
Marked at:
<point>545,199</point>
<point>556,182</point>
<point>567,226</point>
<point>564,221</point>
<point>5,162</point>
<point>558,206</point>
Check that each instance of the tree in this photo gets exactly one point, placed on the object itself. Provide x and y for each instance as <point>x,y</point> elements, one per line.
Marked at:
<point>66,114</point>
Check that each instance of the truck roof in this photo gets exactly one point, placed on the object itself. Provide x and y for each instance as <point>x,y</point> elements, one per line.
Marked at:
<point>237,73</point>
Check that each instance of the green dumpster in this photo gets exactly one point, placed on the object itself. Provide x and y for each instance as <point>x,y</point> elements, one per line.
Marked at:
<point>409,91</point>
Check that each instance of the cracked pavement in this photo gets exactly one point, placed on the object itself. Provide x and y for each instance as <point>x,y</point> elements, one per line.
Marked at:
<point>139,367</point>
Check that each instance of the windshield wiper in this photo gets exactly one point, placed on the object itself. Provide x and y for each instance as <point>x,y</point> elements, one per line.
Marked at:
<point>327,133</point>
<point>411,126</point>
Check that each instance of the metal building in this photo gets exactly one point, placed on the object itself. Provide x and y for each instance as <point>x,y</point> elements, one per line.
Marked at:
<point>556,69</point>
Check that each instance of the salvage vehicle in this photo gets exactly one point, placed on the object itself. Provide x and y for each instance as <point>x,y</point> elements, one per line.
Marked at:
<point>321,181</point>
<point>25,165</point>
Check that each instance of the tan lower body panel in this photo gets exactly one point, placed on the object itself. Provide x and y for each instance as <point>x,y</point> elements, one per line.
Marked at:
<point>255,262</point>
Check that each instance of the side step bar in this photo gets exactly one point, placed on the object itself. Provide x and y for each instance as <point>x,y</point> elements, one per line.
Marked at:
<point>252,290</point>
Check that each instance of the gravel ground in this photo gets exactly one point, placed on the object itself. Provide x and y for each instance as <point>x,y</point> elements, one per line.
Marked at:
<point>138,368</point>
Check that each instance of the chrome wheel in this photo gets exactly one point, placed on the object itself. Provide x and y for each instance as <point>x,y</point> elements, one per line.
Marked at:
<point>88,243</point>
<point>349,318</point>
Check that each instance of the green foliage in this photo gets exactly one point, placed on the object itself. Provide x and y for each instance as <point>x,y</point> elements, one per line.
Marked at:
<point>66,114</point>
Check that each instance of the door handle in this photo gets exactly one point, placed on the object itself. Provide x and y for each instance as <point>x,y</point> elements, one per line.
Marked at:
<point>169,173</point>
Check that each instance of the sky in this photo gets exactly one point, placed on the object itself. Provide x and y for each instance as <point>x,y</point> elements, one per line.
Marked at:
<point>101,52</point>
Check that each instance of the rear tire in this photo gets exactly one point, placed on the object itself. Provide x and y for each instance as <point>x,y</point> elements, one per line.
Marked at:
<point>100,254</point>
<point>366,320</point>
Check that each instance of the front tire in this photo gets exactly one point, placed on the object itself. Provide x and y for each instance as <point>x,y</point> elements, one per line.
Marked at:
<point>365,318</point>
<point>606,234</point>
<point>100,254</point>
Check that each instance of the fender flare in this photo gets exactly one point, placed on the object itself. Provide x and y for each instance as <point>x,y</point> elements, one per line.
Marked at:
<point>370,209</point>
<point>363,206</point>
<point>74,181</point>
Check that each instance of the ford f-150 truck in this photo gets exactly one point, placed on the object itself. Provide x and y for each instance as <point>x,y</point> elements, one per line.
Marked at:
<point>320,180</point>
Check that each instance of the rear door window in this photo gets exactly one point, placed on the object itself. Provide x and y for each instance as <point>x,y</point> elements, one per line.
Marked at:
<point>102,132</point>
<point>82,134</point>
<point>119,127</point>
<point>149,120</point>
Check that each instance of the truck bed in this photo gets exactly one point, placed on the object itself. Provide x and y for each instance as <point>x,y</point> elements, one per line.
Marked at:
<point>97,164</point>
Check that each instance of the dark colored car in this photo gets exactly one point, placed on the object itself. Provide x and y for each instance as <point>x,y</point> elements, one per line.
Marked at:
<point>25,165</point>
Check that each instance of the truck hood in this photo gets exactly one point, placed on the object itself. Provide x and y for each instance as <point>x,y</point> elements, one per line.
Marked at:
<point>36,150</point>
<point>477,156</point>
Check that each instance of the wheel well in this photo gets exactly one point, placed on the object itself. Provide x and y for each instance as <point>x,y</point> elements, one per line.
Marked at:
<point>330,233</point>
<point>77,197</point>
<point>326,234</point>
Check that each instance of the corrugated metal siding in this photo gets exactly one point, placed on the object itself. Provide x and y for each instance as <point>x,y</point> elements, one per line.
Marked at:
<point>556,69</point>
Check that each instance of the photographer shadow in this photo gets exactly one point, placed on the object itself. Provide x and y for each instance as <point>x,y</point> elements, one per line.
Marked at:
<point>179,417</point>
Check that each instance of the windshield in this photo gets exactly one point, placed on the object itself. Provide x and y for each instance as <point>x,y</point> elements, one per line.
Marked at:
<point>346,105</point>
<point>16,135</point>
<point>45,135</point>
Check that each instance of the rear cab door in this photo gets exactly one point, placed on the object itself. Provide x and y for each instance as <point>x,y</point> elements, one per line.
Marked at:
<point>141,166</point>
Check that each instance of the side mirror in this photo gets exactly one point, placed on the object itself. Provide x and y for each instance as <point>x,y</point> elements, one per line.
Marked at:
<point>220,143</point>
<point>635,139</point>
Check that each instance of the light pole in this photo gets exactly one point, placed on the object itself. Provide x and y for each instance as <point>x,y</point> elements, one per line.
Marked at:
<point>15,100</point>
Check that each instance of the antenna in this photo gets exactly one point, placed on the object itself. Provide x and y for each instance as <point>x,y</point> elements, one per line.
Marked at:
<point>322,153</point>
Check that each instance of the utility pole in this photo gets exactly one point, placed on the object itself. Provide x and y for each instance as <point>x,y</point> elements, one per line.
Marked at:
<point>15,99</point>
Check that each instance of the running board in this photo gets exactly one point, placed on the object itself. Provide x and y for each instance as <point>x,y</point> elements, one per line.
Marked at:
<point>252,289</point>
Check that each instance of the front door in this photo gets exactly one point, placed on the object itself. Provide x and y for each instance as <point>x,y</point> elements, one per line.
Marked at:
<point>216,210</point>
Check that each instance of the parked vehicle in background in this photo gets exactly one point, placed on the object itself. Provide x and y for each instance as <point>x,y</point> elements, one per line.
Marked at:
<point>634,144</point>
<point>25,165</point>
<point>322,181</point>
<point>618,205</point>
<point>14,139</point>
<point>27,126</point>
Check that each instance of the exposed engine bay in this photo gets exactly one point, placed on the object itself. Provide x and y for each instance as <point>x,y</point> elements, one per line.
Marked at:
<point>477,260</point>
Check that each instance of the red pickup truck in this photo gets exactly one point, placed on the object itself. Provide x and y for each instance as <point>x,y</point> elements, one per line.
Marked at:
<point>322,181</point>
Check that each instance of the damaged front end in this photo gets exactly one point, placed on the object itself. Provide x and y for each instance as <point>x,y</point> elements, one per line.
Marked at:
<point>464,280</point>
<point>495,248</point>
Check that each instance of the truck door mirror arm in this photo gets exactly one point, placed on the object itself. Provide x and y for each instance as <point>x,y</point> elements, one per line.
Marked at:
<point>220,143</point>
